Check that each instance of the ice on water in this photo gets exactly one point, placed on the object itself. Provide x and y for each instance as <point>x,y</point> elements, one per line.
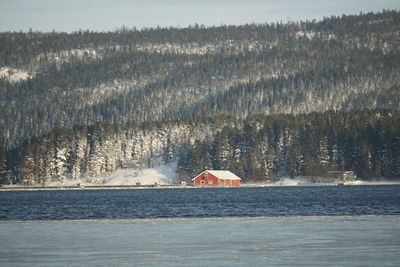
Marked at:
<point>287,241</point>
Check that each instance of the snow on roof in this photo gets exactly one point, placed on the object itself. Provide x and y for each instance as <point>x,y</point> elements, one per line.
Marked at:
<point>223,175</point>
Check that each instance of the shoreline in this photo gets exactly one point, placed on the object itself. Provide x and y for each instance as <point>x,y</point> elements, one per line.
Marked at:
<point>121,187</point>
<point>88,187</point>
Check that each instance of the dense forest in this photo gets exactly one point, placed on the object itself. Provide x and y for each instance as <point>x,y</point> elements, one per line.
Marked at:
<point>69,101</point>
<point>260,148</point>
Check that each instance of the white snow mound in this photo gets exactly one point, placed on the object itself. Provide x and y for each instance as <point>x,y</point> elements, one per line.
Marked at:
<point>163,174</point>
<point>292,182</point>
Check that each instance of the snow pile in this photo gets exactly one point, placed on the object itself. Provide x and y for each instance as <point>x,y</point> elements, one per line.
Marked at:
<point>292,182</point>
<point>14,75</point>
<point>163,174</point>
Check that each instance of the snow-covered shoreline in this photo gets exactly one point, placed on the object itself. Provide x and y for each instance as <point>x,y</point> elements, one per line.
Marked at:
<point>163,175</point>
<point>178,186</point>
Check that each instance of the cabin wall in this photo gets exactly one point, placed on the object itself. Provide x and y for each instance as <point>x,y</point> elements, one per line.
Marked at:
<point>207,179</point>
<point>235,183</point>
<point>232,182</point>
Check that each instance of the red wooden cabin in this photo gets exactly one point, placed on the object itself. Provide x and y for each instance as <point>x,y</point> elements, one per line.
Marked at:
<point>216,178</point>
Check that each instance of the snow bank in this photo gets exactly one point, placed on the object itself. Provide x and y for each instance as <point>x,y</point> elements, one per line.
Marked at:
<point>298,181</point>
<point>163,174</point>
<point>293,182</point>
<point>376,182</point>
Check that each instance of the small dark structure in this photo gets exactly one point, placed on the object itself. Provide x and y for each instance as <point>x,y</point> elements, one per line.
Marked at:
<point>342,176</point>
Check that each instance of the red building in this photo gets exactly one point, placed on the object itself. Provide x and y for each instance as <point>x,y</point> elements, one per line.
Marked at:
<point>216,178</point>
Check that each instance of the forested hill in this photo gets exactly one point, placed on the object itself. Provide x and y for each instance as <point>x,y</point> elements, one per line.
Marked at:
<point>54,80</point>
<point>83,104</point>
<point>260,148</point>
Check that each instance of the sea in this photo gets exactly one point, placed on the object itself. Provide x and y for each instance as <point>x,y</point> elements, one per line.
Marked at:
<point>257,226</point>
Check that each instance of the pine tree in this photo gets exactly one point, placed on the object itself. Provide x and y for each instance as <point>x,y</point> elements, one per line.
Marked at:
<point>60,163</point>
<point>168,151</point>
<point>28,171</point>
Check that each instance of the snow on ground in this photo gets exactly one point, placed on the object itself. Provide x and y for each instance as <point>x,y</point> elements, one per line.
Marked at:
<point>165,174</point>
<point>293,182</point>
<point>14,75</point>
<point>162,174</point>
<point>377,182</point>
<point>311,34</point>
<point>298,181</point>
<point>66,55</point>
<point>308,34</point>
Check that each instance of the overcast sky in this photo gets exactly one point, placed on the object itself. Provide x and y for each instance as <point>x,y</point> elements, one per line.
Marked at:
<point>105,15</point>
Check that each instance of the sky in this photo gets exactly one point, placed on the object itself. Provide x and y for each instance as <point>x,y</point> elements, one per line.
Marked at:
<point>107,15</point>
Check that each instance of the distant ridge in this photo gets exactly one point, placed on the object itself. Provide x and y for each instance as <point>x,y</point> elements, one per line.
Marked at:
<point>55,80</point>
<point>261,100</point>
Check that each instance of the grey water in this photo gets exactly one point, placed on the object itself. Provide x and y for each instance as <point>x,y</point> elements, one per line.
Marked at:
<point>200,203</point>
<point>277,226</point>
<point>261,241</point>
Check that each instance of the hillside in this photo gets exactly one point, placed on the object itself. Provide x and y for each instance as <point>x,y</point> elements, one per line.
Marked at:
<point>54,80</point>
<point>258,149</point>
<point>85,104</point>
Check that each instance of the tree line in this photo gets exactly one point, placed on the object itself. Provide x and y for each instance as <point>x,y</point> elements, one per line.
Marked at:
<point>258,149</point>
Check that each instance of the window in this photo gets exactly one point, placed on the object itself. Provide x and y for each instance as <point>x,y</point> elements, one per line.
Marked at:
<point>210,182</point>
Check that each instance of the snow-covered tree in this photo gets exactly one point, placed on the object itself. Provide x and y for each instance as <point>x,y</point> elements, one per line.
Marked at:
<point>60,164</point>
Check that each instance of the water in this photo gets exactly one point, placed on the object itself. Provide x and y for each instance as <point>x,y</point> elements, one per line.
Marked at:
<point>195,203</point>
<point>267,241</point>
<point>278,226</point>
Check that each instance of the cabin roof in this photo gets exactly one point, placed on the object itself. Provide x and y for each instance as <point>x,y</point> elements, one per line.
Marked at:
<point>223,175</point>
